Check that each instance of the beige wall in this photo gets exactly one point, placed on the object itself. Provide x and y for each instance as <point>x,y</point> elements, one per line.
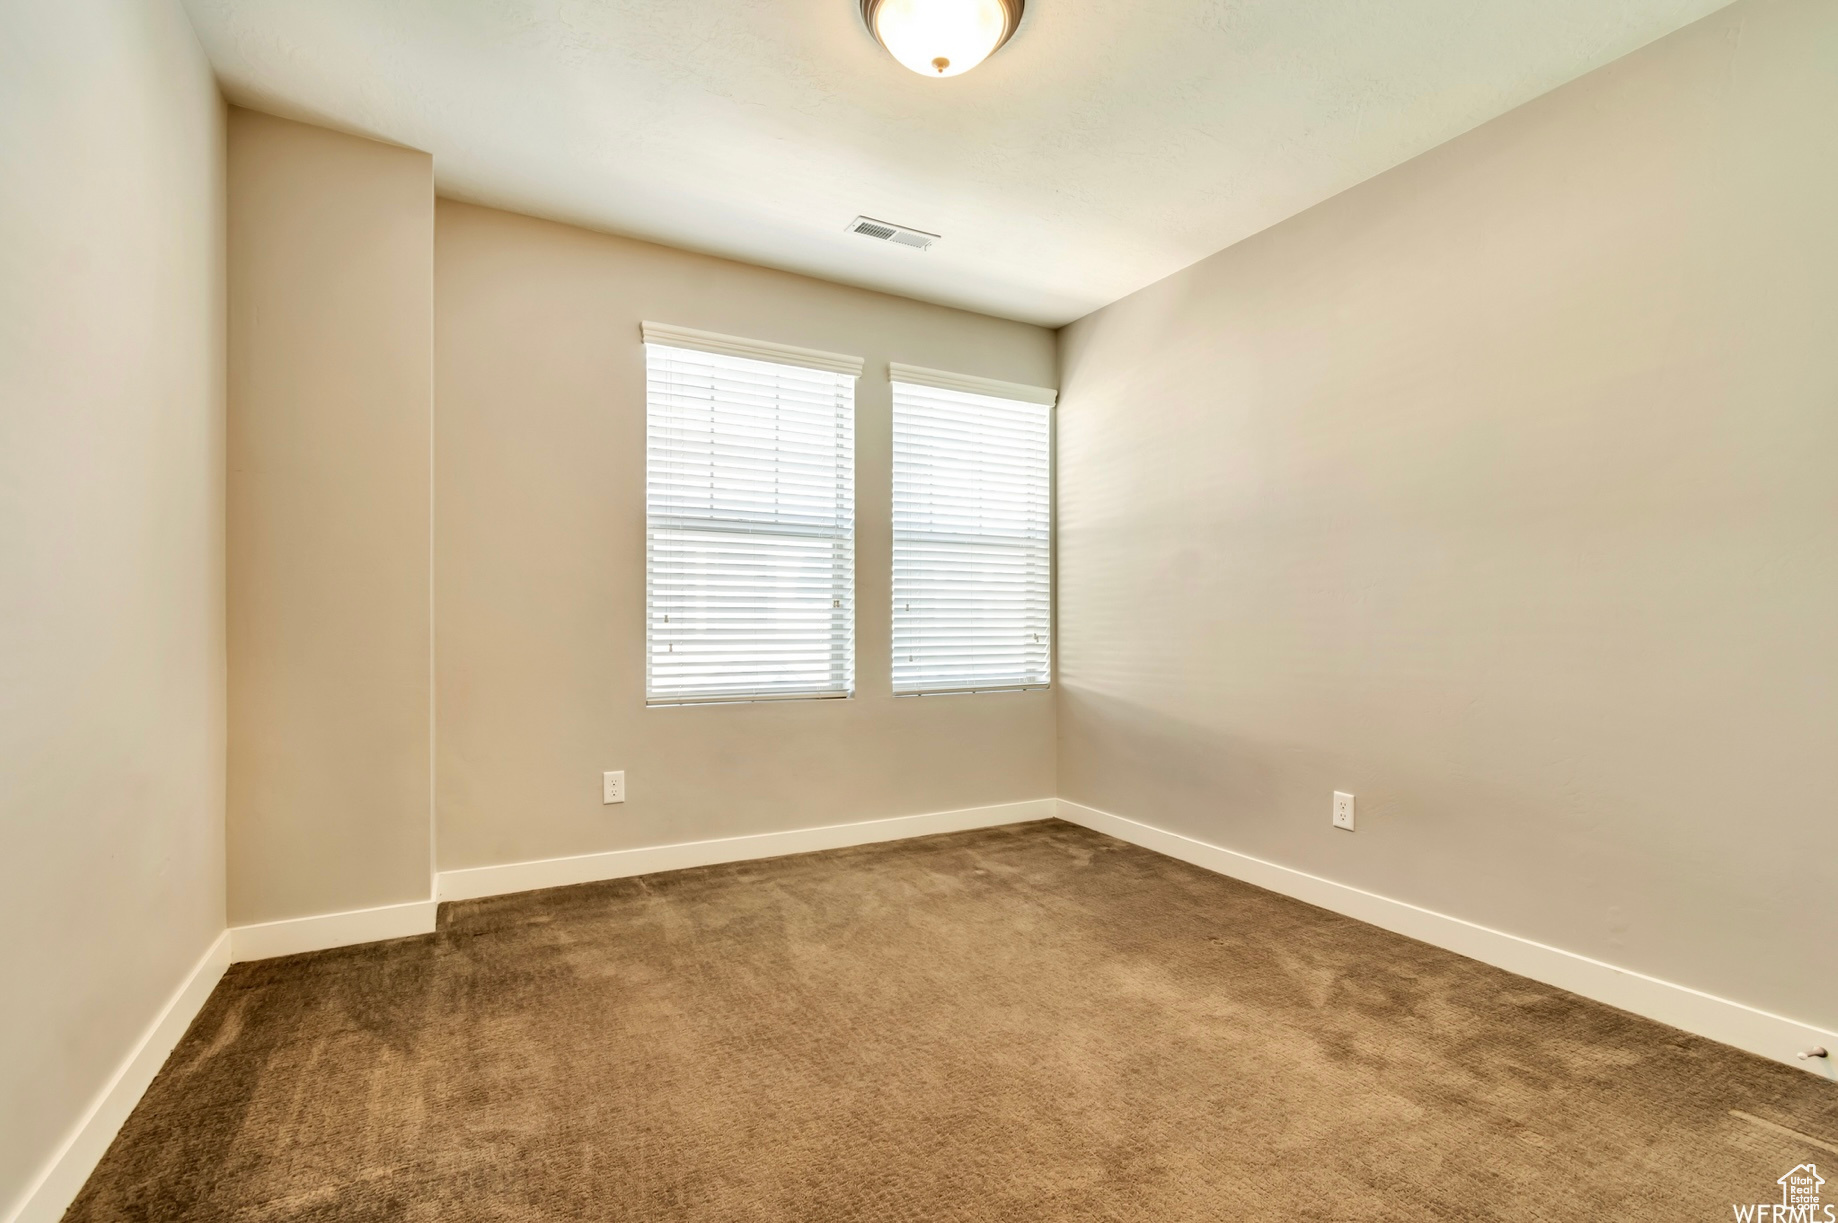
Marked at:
<point>330,399</point>
<point>111,547</point>
<point>1499,491</point>
<point>539,566</point>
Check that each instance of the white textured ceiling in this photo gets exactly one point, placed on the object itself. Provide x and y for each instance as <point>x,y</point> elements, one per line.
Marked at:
<point>1110,143</point>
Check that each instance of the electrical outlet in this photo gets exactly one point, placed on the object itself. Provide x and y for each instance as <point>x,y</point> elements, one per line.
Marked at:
<point>612,787</point>
<point>1343,811</point>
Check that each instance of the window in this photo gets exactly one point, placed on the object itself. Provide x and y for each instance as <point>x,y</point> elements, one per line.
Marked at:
<point>749,519</point>
<point>972,545</point>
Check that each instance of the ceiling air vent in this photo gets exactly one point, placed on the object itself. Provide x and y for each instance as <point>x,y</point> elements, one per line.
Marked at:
<point>887,231</point>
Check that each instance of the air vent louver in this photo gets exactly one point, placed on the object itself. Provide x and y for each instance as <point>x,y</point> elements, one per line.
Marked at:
<point>887,231</point>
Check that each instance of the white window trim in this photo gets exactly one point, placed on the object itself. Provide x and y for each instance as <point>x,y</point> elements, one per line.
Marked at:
<point>665,336</point>
<point>1022,393</point>
<point>757,350</point>
<point>944,380</point>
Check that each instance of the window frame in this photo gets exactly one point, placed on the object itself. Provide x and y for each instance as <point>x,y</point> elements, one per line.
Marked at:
<point>665,531</point>
<point>925,379</point>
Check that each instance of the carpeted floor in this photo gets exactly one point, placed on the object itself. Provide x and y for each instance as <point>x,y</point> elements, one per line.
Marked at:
<point>1026,1023</point>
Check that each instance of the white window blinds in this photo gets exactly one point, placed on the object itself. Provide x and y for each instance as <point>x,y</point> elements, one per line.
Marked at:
<point>972,546</point>
<point>750,522</point>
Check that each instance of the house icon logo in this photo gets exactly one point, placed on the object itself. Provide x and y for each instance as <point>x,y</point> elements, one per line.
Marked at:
<point>1800,1187</point>
<point>1799,1201</point>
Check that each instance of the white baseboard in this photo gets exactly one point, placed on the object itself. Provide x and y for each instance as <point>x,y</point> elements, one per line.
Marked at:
<point>56,1187</point>
<point>1731,1023</point>
<point>326,930</point>
<point>478,881</point>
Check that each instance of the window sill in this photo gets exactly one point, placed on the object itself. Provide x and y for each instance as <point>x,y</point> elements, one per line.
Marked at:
<point>976,691</point>
<point>677,702</point>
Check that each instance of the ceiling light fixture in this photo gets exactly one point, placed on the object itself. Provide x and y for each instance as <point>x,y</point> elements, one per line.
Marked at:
<point>940,38</point>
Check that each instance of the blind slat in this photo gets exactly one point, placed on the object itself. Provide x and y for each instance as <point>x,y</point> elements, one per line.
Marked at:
<point>972,541</point>
<point>749,528</point>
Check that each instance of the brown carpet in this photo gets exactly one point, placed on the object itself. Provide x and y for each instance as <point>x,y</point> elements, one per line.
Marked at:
<point>1026,1023</point>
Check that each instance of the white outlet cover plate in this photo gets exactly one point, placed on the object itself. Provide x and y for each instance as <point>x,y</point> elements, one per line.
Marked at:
<point>1343,810</point>
<point>612,787</point>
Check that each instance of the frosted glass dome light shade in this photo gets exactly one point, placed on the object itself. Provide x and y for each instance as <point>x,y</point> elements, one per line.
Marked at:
<point>940,38</point>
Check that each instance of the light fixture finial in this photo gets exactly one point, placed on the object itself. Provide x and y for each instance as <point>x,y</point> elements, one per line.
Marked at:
<point>939,38</point>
